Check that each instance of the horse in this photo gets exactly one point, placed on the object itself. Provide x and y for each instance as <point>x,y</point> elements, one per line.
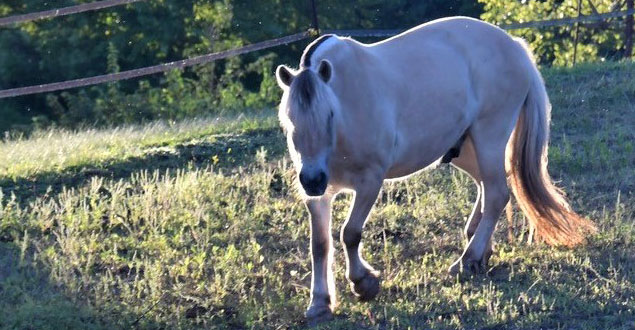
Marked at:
<point>455,90</point>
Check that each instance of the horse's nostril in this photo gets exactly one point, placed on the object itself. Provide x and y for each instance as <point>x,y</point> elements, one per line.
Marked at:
<point>321,178</point>
<point>313,183</point>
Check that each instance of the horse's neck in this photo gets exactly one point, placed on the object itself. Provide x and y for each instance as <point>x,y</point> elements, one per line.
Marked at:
<point>357,87</point>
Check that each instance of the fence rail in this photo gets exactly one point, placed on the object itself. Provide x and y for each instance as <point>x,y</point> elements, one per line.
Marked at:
<point>63,11</point>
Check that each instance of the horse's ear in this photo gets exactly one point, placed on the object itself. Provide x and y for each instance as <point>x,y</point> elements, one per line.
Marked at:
<point>325,70</point>
<point>284,76</point>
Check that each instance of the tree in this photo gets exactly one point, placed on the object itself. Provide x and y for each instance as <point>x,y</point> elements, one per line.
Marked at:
<point>555,45</point>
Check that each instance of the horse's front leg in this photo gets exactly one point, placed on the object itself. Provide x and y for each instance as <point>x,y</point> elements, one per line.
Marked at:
<point>364,279</point>
<point>322,284</point>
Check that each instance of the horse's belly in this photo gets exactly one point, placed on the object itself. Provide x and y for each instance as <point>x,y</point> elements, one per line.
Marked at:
<point>413,157</point>
<point>402,170</point>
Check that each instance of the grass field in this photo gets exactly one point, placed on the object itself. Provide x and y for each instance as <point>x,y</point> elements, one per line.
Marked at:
<point>197,225</point>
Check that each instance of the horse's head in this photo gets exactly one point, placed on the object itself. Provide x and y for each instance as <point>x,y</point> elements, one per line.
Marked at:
<point>306,114</point>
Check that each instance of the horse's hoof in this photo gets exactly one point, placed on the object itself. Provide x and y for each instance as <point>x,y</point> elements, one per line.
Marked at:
<point>468,267</point>
<point>318,314</point>
<point>367,287</point>
<point>455,268</point>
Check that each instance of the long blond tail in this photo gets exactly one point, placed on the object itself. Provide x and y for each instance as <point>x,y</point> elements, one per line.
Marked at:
<point>541,202</point>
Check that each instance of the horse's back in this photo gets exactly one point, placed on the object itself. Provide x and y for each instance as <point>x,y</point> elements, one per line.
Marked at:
<point>466,39</point>
<point>456,62</point>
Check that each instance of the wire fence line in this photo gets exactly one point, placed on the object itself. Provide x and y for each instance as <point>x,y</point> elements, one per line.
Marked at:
<point>364,33</point>
<point>568,20</point>
<point>134,73</point>
<point>512,26</point>
<point>63,11</point>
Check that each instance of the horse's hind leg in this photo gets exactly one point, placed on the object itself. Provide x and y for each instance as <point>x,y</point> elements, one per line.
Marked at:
<point>467,162</point>
<point>490,138</point>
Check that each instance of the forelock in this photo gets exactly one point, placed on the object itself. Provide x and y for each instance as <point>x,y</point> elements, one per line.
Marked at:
<point>304,88</point>
<point>308,105</point>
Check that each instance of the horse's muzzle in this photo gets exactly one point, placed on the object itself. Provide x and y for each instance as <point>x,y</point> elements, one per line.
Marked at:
<point>314,185</point>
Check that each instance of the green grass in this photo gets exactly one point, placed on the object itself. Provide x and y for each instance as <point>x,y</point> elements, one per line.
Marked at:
<point>197,224</point>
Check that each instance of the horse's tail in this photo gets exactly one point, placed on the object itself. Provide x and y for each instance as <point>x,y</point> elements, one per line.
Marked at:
<point>540,200</point>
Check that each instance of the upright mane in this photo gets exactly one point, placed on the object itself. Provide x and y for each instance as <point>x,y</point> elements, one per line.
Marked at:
<point>305,61</point>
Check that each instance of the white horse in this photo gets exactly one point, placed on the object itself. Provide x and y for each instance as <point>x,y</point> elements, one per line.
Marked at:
<point>451,90</point>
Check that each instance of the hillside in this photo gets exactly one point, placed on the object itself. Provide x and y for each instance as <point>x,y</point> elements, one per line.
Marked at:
<point>197,224</point>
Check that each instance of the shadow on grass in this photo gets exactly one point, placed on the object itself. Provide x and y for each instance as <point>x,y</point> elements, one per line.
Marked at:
<point>29,301</point>
<point>226,151</point>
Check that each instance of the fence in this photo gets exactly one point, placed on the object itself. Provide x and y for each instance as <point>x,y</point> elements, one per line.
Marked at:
<point>313,31</point>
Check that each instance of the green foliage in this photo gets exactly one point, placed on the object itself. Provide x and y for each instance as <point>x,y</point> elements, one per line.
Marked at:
<point>196,224</point>
<point>555,45</point>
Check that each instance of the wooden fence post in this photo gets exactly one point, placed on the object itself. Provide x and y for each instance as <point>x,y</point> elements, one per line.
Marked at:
<point>577,32</point>
<point>628,32</point>
<point>314,18</point>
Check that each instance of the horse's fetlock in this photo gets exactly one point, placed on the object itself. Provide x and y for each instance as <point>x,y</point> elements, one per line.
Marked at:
<point>321,299</point>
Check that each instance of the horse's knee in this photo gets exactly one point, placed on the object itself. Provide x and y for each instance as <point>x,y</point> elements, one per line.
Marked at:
<point>351,237</point>
<point>320,248</point>
<point>496,195</point>
<point>499,198</point>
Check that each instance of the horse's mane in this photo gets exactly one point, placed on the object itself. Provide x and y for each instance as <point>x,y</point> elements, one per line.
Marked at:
<point>305,61</point>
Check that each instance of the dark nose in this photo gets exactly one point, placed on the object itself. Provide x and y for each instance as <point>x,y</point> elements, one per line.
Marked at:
<point>314,185</point>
